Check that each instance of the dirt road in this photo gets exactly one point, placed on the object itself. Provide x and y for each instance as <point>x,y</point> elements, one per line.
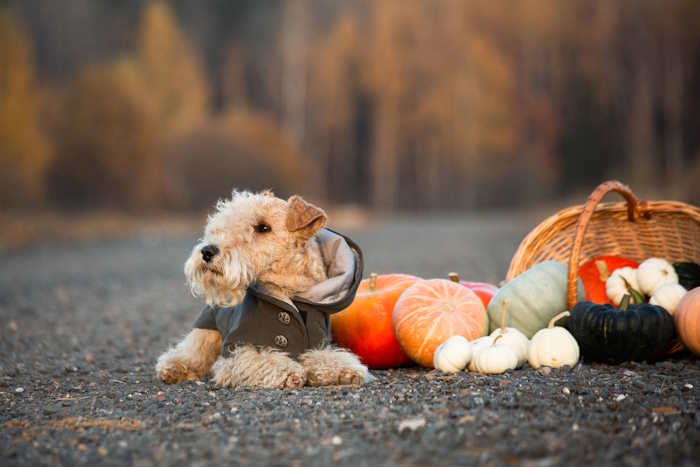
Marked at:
<point>82,324</point>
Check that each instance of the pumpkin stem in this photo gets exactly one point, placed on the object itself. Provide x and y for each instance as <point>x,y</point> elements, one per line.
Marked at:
<point>625,303</point>
<point>636,297</point>
<point>454,277</point>
<point>493,344</point>
<point>373,281</point>
<point>503,317</point>
<point>603,270</point>
<point>557,318</point>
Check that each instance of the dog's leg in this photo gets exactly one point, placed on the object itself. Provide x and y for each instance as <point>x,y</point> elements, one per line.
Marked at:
<point>248,367</point>
<point>191,359</point>
<point>332,366</point>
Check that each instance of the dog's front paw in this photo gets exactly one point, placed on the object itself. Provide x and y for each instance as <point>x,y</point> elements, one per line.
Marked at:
<point>296,378</point>
<point>331,376</point>
<point>191,359</point>
<point>172,371</point>
<point>328,367</point>
<point>353,376</point>
<point>249,367</point>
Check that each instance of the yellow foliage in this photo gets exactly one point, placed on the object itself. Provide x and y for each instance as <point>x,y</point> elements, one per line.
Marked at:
<point>337,58</point>
<point>106,140</point>
<point>23,150</point>
<point>235,150</point>
<point>112,120</point>
<point>172,70</point>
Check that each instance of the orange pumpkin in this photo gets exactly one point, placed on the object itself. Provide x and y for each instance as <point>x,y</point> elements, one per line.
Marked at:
<point>365,326</point>
<point>687,320</point>
<point>431,311</point>
<point>483,290</point>
<point>595,272</point>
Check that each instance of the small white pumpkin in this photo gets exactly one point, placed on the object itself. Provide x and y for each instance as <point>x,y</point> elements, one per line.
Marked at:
<point>668,296</point>
<point>620,283</point>
<point>553,346</point>
<point>495,359</point>
<point>453,354</point>
<point>516,340</point>
<point>655,272</point>
<point>477,346</point>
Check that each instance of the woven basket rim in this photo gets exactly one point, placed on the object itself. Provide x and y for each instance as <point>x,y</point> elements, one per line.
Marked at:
<point>573,212</point>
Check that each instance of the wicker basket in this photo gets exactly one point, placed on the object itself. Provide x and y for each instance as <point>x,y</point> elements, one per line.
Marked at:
<point>634,229</point>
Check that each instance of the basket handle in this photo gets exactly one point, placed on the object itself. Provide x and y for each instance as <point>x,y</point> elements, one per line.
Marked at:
<point>635,210</point>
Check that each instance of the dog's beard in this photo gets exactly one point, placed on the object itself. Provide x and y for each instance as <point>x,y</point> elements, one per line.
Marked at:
<point>222,282</point>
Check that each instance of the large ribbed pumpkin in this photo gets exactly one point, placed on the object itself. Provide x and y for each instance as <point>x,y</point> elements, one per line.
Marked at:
<point>534,297</point>
<point>687,320</point>
<point>365,326</point>
<point>431,311</point>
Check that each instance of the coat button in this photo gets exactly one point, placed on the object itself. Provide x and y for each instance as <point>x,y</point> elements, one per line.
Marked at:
<point>281,341</point>
<point>284,317</point>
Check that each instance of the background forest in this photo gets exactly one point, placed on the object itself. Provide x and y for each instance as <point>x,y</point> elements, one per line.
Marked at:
<point>390,105</point>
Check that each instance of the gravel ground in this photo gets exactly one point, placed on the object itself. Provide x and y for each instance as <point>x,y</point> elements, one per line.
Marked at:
<point>81,326</point>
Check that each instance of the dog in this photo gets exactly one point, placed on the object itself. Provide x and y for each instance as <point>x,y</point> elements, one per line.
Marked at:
<point>270,273</point>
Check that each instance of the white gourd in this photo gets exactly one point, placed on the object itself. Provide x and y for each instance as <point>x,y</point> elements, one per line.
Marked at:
<point>453,354</point>
<point>495,359</point>
<point>655,272</point>
<point>668,296</point>
<point>553,346</point>
<point>477,346</point>
<point>619,284</point>
<point>516,340</point>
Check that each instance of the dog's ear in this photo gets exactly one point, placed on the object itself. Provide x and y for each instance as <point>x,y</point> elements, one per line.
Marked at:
<point>304,218</point>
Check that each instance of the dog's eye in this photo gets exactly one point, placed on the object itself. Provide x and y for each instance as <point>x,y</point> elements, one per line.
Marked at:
<point>262,228</point>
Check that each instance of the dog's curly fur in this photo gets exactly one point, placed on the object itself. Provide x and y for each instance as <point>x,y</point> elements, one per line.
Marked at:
<point>286,261</point>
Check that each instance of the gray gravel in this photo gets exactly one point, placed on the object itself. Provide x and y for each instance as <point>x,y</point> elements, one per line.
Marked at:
<point>82,324</point>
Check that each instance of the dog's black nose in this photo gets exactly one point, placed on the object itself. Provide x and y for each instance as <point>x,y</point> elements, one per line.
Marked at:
<point>208,252</point>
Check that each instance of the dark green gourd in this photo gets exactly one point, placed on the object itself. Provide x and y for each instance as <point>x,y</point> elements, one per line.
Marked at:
<point>631,332</point>
<point>688,274</point>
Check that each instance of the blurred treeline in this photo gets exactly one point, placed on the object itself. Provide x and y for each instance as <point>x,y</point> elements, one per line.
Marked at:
<point>388,104</point>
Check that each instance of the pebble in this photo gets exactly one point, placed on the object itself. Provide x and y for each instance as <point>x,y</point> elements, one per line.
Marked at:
<point>411,424</point>
<point>566,391</point>
<point>336,440</point>
<point>19,390</point>
<point>620,397</point>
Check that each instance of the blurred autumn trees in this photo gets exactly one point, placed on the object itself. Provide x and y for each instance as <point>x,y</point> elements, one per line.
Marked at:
<point>23,151</point>
<point>389,104</point>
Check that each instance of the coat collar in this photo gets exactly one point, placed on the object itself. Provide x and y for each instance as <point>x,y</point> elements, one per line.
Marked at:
<point>342,245</point>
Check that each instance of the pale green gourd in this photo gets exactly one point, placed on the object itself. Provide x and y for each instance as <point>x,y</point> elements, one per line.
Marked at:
<point>534,297</point>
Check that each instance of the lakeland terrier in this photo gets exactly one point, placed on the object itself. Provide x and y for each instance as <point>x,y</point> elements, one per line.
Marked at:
<point>271,274</point>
